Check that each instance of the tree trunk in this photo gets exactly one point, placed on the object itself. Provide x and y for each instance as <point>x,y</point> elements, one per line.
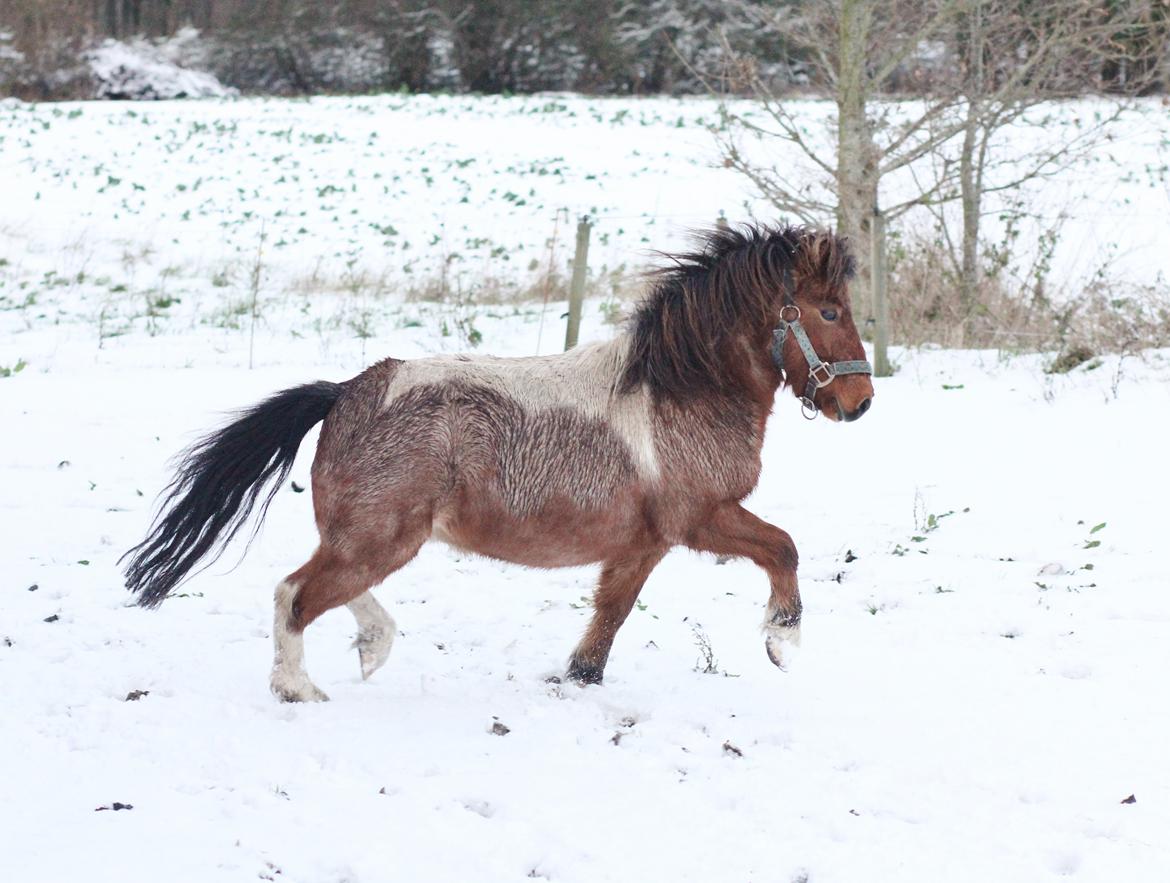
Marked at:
<point>856,153</point>
<point>971,170</point>
<point>971,196</point>
<point>881,335</point>
<point>113,19</point>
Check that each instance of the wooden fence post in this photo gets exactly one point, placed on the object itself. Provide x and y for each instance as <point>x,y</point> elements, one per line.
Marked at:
<point>577,286</point>
<point>877,267</point>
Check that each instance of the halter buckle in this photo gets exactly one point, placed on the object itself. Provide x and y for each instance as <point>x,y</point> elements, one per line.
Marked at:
<point>822,374</point>
<point>784,318</point>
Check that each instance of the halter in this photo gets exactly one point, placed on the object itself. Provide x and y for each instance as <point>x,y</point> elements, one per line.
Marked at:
<point>820,374</point>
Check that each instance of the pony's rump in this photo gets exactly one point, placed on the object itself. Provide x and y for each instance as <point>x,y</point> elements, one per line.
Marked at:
<point>219,481</point>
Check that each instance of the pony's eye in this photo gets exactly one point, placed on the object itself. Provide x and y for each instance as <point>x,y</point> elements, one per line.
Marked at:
<point>829,315</point>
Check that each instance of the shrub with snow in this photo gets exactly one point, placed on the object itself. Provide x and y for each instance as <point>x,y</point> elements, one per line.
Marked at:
<point>145,71</point>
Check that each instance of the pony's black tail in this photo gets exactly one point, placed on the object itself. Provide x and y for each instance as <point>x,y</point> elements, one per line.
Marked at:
<point>219,480</point>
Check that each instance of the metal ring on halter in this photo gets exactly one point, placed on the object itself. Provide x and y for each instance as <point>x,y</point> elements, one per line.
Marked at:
<point>790,307</point>
<point>808,408</point>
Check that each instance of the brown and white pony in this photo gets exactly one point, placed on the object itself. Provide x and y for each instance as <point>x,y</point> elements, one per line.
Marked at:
<point>610,453</point>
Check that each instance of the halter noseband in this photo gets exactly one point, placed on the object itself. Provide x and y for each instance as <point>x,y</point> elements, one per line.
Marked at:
<point>820,374</point>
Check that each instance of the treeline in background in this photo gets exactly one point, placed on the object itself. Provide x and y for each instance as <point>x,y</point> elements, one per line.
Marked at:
<point>621,47</point>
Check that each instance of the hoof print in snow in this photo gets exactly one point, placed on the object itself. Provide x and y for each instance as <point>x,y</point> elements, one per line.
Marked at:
<point>1130,799</point>
<point>849,556</point>
<point>480,808</point>
<point>33,587</point>
<point>135,695</point>
<point>115,806</point>
<point>8,642</point>
<point>730,749</point>
<point>553,679</point>
<point>626,723</point>
<point>52,618</point>
<point>498,729</point>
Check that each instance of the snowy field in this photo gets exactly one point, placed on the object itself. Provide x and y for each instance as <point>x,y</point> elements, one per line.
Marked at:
<point>981,692</point>
<point>118,213</point>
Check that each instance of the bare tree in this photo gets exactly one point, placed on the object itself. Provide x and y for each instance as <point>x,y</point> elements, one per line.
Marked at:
<point>1013,57</point>
<point>859,49</point>
<point>976,66</point>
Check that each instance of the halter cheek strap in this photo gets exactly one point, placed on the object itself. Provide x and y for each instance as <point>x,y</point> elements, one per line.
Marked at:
<point>820,374</point>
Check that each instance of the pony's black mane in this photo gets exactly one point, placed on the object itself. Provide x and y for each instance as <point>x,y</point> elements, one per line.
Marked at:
<point>736,275</point>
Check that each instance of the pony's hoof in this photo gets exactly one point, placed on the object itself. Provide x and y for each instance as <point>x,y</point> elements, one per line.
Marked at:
<point>373,651</point>
<point>309,694</point>
<point>297,690</point>
<point>371,662</point>
<point>584,674</point>
<point>780,642</point>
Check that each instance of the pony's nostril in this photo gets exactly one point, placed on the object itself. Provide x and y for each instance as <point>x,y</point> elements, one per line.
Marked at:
<point>858,411</point>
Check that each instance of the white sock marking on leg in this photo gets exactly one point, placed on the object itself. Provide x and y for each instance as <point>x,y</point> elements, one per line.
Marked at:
<point>780,640</point>
<point>289,679</point>
<point>376,631</point>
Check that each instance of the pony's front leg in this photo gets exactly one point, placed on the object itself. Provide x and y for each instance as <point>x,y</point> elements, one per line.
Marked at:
<point>617,590</point>
<point>732,530</point>
<point>782,621</point>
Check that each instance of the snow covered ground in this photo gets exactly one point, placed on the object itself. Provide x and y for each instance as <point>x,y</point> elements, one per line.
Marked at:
<point>982,683</point>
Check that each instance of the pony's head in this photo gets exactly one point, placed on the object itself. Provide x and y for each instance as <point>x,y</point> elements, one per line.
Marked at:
<point>754,306</point>
<point>830,374</point>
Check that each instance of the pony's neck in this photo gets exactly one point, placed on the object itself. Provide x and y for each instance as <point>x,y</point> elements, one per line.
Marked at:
<point>752,374</point>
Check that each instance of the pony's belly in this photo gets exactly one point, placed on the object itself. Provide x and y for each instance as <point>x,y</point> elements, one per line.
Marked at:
<point>570,540</point>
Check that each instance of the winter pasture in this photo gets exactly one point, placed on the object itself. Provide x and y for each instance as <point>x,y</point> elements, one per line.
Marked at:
<point>981,692</point>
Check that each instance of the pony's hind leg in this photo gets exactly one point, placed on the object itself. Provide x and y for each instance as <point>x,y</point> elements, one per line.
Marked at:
<point>332,578</point>
<point>617,590</point>
<point>732,530</point>
<point>376,631</point>
<point>289,681</point>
